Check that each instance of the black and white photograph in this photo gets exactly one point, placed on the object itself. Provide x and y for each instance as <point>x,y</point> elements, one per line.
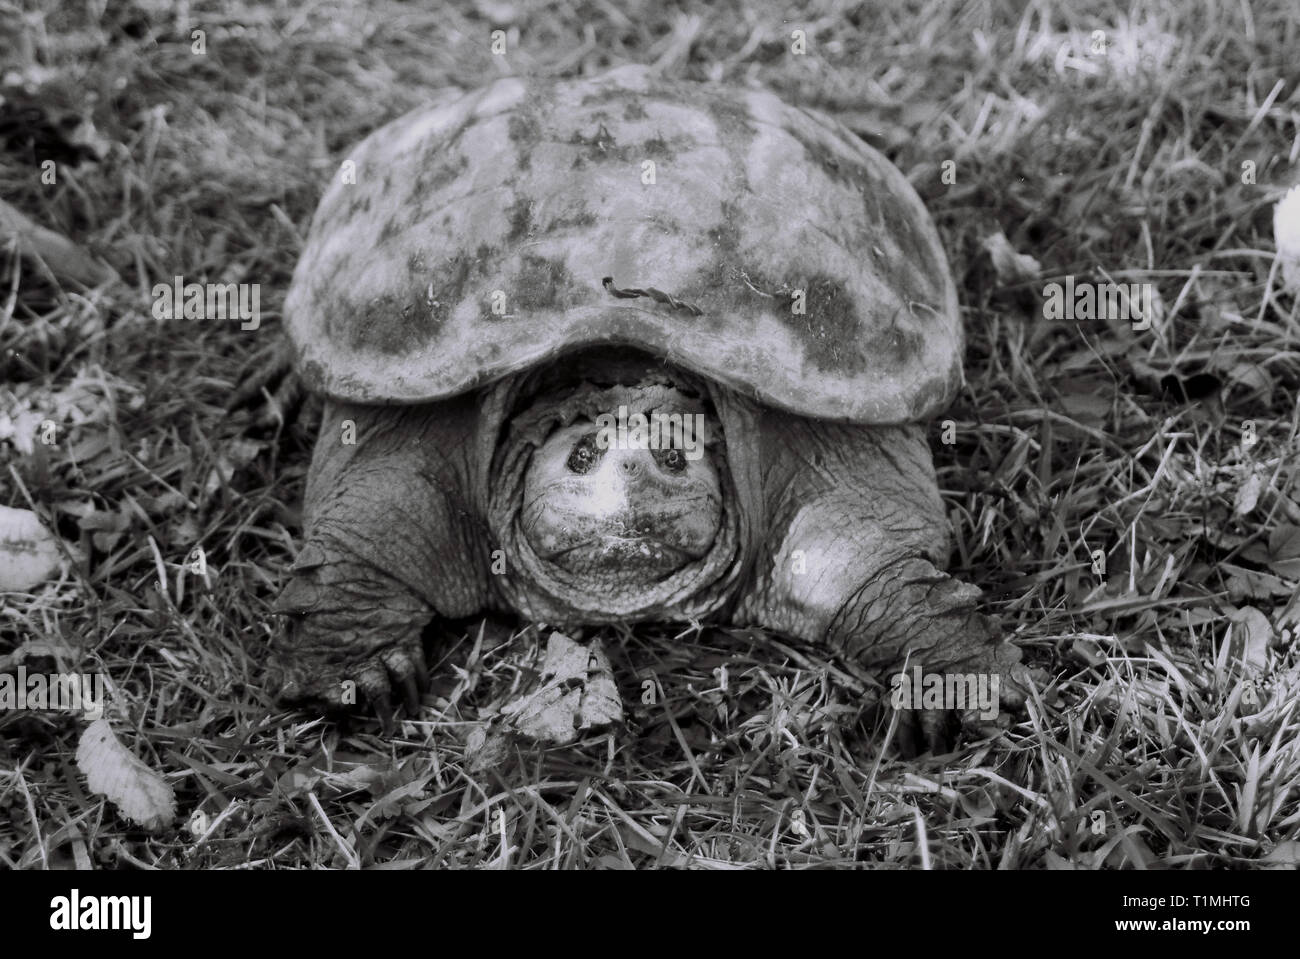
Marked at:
<point>588,435</point>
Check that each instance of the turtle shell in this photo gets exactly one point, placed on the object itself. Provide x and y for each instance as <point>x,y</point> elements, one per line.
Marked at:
<point>755,243</point>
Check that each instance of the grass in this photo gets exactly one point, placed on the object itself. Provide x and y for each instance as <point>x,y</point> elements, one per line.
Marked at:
<point>1077,447</point>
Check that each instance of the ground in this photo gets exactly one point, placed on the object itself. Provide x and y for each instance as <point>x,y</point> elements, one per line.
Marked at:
<point>1126,496</point>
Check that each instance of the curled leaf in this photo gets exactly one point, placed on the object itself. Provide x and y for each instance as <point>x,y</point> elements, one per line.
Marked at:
<point>29,553</point>
<point>1251,635</point>
<point>1010,266</point>
<point>1248,493</point>
<point>111,770</point>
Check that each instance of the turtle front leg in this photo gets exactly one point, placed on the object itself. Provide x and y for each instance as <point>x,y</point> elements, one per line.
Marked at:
<point>856,538</point>
<point>391,541</point>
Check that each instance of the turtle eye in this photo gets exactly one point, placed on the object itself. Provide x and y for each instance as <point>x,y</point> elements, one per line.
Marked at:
<point>671,460</point>
<point>583,456</point>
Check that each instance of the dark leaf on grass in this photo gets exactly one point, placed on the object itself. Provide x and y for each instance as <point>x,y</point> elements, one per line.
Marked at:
<point>1284,541</point>
<point>1186,389</point>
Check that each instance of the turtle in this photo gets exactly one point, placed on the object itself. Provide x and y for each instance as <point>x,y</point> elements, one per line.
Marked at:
<point>616,349</point>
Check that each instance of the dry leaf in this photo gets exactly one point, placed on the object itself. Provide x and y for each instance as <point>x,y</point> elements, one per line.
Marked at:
<point>1285,855</point>
<point>1251,634</point>
<point>1284,550</point>
<point>1086,651</point>
<point>1248,493</point>
<point>1087,399</point>
<point>1286,233</point>
<point>235,456</point>
<point>90,398</point>
<point>20,427</point>
<point>576,694</point>
<point>29,553</point>
<point>111,770</point>
<point>1251,377</point>
<point>486,747</point>
<point>1010,266</point>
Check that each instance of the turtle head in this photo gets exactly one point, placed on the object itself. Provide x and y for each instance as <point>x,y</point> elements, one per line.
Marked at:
<point>624,497</point>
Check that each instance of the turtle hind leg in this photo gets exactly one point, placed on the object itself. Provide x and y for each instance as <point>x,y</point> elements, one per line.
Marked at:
<point>391,543</point>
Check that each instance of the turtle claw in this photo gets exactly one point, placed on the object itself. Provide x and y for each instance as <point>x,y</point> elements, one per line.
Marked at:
<point>923,731</point>
<point>940,730</point>
<point>394,674</point>
<point>400,677</point>
<point>399,673</point>
<point>406,672</point>
<point>411,695</point>
<point>384,712</point>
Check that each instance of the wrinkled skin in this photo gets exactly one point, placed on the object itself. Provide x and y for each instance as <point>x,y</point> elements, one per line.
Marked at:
<point>831,533</point>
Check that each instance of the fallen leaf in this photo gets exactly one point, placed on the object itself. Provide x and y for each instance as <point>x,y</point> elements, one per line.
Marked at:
<point>1248,493</point>
<point>1285,855</point>
<point>486,746</point>
<point>1284,550</point>
<point>90,398</point>
<point>1087,399</point>
<point>1010,266</point>
<point>20,428</point>
<point>29,553</point>
<point>394,803</point>
<point>1252,584</point>
<point>1286,234</point>
<point>111,770</point>
<point>575,694</point>
<point>300,779</point>
<point>1251,635</point>
<point>1087,652</point>
<point>236,455</point>
<point>1251,377</point>
<point>497,11</point>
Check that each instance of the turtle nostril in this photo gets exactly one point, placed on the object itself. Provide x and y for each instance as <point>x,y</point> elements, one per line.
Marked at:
<point>628,466</point>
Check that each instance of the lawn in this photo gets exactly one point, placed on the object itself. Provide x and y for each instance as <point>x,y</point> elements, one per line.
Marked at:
<point>1125,493</point>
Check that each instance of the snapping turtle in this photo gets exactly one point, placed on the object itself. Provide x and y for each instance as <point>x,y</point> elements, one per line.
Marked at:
<point>623,349</point>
